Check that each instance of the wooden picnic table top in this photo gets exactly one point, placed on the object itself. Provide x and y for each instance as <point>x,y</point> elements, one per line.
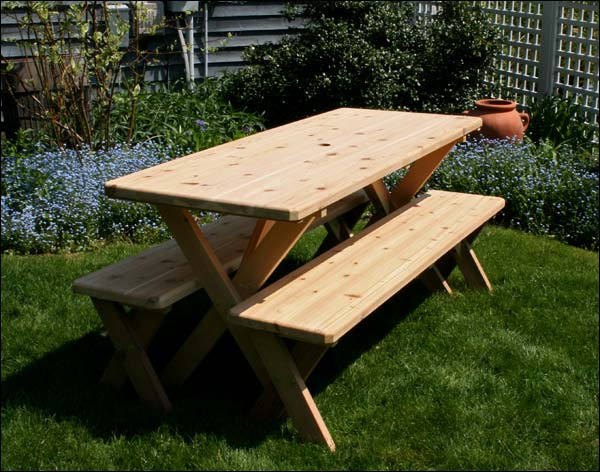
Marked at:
<point>292,171</point>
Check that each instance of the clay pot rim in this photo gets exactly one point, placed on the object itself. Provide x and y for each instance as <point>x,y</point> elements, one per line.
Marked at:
<point>497,104</point>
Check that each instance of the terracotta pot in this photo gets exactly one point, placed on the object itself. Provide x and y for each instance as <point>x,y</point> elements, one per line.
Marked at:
<point>501,119</point>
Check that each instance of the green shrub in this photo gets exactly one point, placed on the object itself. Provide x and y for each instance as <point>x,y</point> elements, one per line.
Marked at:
<point>559,120</point>
<point>369,54</point>
<point>175,116</point>
<point>69,47</point>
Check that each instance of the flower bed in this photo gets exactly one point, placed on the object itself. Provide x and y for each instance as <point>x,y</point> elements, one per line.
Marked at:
<point>55,200</point>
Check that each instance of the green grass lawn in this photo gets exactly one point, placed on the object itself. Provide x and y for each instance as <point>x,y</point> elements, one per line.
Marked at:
<point>476,381</point>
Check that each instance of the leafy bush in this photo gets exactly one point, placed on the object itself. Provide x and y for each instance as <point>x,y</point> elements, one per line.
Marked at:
<point>24,143</point>
<point>55,200</point>
<point>369,54</point>
<point>560,121</point>
<point>547,192</point>
<point>175,116</point>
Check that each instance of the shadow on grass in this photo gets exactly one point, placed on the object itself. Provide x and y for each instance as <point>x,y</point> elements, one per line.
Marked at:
<point>217,398</point>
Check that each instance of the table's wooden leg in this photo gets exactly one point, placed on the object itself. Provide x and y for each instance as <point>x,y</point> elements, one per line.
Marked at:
<point>340,228</point>
<point>381,197</point>
<point>135,360</point>
<point>271,243</point>
<point>145,324</point>
<point>261,229</point>
<point>292,390</point>
<point>417,175</point>
<point>259,263</point>
<point>212,275</point>
<point>195,348</point>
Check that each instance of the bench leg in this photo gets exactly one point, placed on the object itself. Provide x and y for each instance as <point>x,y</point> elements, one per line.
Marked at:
<point>306,357</point>
<point>292,390</point>
<point>464,256</point>
<point>145,324</point>
<point>435,281</point>
<point>471,267</point>
<point>134,357</point>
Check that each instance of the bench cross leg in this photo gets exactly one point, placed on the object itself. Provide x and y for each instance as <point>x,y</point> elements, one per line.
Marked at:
<point>145,324</point>
<point>306,357</point>
<point>433,279</point>
<point>470,266</point>
<point>464,256</point>
<point>134,357</point>
<point>292,390</point>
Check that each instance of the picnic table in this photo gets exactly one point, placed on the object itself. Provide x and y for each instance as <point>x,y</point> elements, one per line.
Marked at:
<point>281,183</point>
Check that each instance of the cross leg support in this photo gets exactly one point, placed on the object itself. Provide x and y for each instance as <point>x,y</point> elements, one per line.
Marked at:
<point>464,256</point>
<point>133,355</point>
<point>470,266</point>
<point>417,175</point>
<point>145,324</point>
<point>433,279</point>
<point>306,357</point>
<point>269,244</point>
<point>291,388</point>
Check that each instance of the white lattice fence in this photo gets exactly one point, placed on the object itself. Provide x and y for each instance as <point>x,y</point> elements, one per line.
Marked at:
<point>518,63</point>
<point>549,47</point>
<point>576,67</point>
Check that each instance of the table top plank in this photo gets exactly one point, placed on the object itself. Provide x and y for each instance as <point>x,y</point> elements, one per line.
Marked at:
<point>294,170</point>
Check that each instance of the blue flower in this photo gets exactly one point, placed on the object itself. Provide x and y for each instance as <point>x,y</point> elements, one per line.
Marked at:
<point>202,124</point>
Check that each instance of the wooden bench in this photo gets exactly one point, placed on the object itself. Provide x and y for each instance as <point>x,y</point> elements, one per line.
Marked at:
<point>321,301</point>
<point>153,280</point>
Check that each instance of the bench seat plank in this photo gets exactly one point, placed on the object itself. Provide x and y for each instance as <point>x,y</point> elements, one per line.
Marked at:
<point>160,276</point>
<point>319,302</point>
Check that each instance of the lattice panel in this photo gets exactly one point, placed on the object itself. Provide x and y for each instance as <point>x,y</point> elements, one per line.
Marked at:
<point>425,9</point>
<point>549,47</point>
<point>518,63</point>
<point>576,68</point>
